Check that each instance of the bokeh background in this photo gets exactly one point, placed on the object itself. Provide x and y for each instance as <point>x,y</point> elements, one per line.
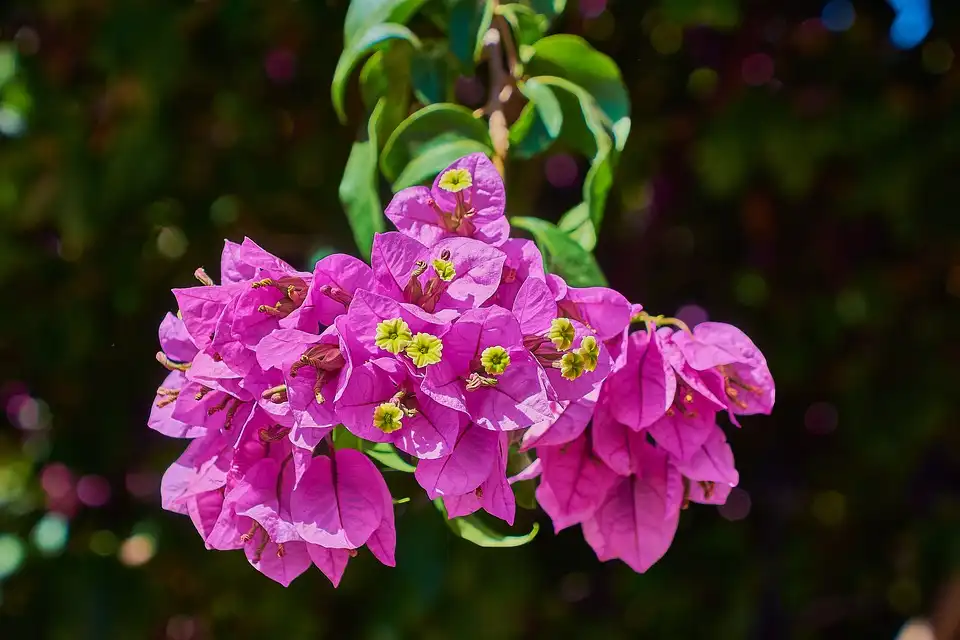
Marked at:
<point>793,169</point>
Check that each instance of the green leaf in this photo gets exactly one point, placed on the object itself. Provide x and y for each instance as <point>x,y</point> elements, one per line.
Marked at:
<point>363,14</point>
<point>540,121</point>
<point>382,452</point>
<point>343,439</point>
<point>371,39</point>
<point>434,126</point>
<point>469,21</point>
<point>360,186</point>
<point>562,254</point>
<point>527,25</point>
<point>438,157</point>
<point>572,57</point>
<point>578,225</point>
<point>473,529</point>
<point>583,128</point>
<point>432,73</point>
<point>550,9</point>
<point>524,491</point>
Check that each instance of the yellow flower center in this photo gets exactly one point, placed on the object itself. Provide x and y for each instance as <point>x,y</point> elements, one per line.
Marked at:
<point>561,333</point>
<point>455,180</point>
<point>425,349</point>
<point>590,352</point>
<point>445,270</point>
<point>495,360</point>
<point>393,335</point>
<point>387,417</point>
<point>571,365</point>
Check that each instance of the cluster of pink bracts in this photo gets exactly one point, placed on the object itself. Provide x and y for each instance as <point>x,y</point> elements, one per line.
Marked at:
<point>454,346</point>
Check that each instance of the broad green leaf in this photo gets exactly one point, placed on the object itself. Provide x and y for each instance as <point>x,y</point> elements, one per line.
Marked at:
<point>372,39</point>
<point>386,74</point>
<point>473,529</point>
<point>562,254</point>
<point>434,126</point>
<point>527,25</point>
<point>432,73</point>
<point>469,21</point>
<point>387,455</point>
<point>583,128</point>
<point>432,161</point>
<point>577,224</point>
<point>360,186</point>
<point>572,57</point>
<point>363,14</point>
<point>540,121</point>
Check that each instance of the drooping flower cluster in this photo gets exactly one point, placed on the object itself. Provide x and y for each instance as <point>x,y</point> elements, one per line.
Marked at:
<point>456,348</point>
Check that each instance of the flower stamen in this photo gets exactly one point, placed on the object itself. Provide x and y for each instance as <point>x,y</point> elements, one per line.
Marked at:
<point>561,333</point>
<point>387,417</point>
<point>495,360</point>
<point>393,335</point>
<point>424,349</point>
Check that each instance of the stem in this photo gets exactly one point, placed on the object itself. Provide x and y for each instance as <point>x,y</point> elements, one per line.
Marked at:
<point>499,85</point>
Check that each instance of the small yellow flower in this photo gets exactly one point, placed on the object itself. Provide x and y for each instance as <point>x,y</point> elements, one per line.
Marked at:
<point>495,360</point>
<point>393,335</point>
<point>445,270</point>
<point>387,417</point>
<point>571,365</point>
<point>425,349</point>
<point>590,352</point>
<point>455,180</point>
<point>561,333</point>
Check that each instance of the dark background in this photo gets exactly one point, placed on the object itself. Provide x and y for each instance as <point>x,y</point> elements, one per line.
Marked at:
<point>800,183</point>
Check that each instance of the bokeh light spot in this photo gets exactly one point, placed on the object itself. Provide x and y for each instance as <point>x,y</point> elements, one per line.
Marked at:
<point>702,82</point>
<point>937,56</point>
<point>93,491</point>
<point>138,549</point>
<point>838,15</point>
<point>281,65</point>
<point>904,595</point>
<point>852,306</point>
<point>757,69</point>
<point>28,41</point>
<point>171,242</point>
<point>103,543</point>
<point>561,170</point>
<point>181,628</point>
<point>592,8</point>
<point>11,554</point>
<point>51,533</point>
<point>692,314</point>
<point>143,485</point>
<point>469,91</point>
<point>821,418</point>
<point>666,38</point>
<point>911,25</point>
<point>575,587</point>
<point>225,210</point>
<point>751,289</point>
<point>56,480</point>
<point>737,506</point>
<point>829,508</point>
<point>600,28</point>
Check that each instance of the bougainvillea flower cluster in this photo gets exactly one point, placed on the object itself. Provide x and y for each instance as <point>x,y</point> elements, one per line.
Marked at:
<point>455,349</point>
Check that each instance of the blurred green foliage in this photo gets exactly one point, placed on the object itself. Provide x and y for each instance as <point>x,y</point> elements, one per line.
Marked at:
<point>797,182</point>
